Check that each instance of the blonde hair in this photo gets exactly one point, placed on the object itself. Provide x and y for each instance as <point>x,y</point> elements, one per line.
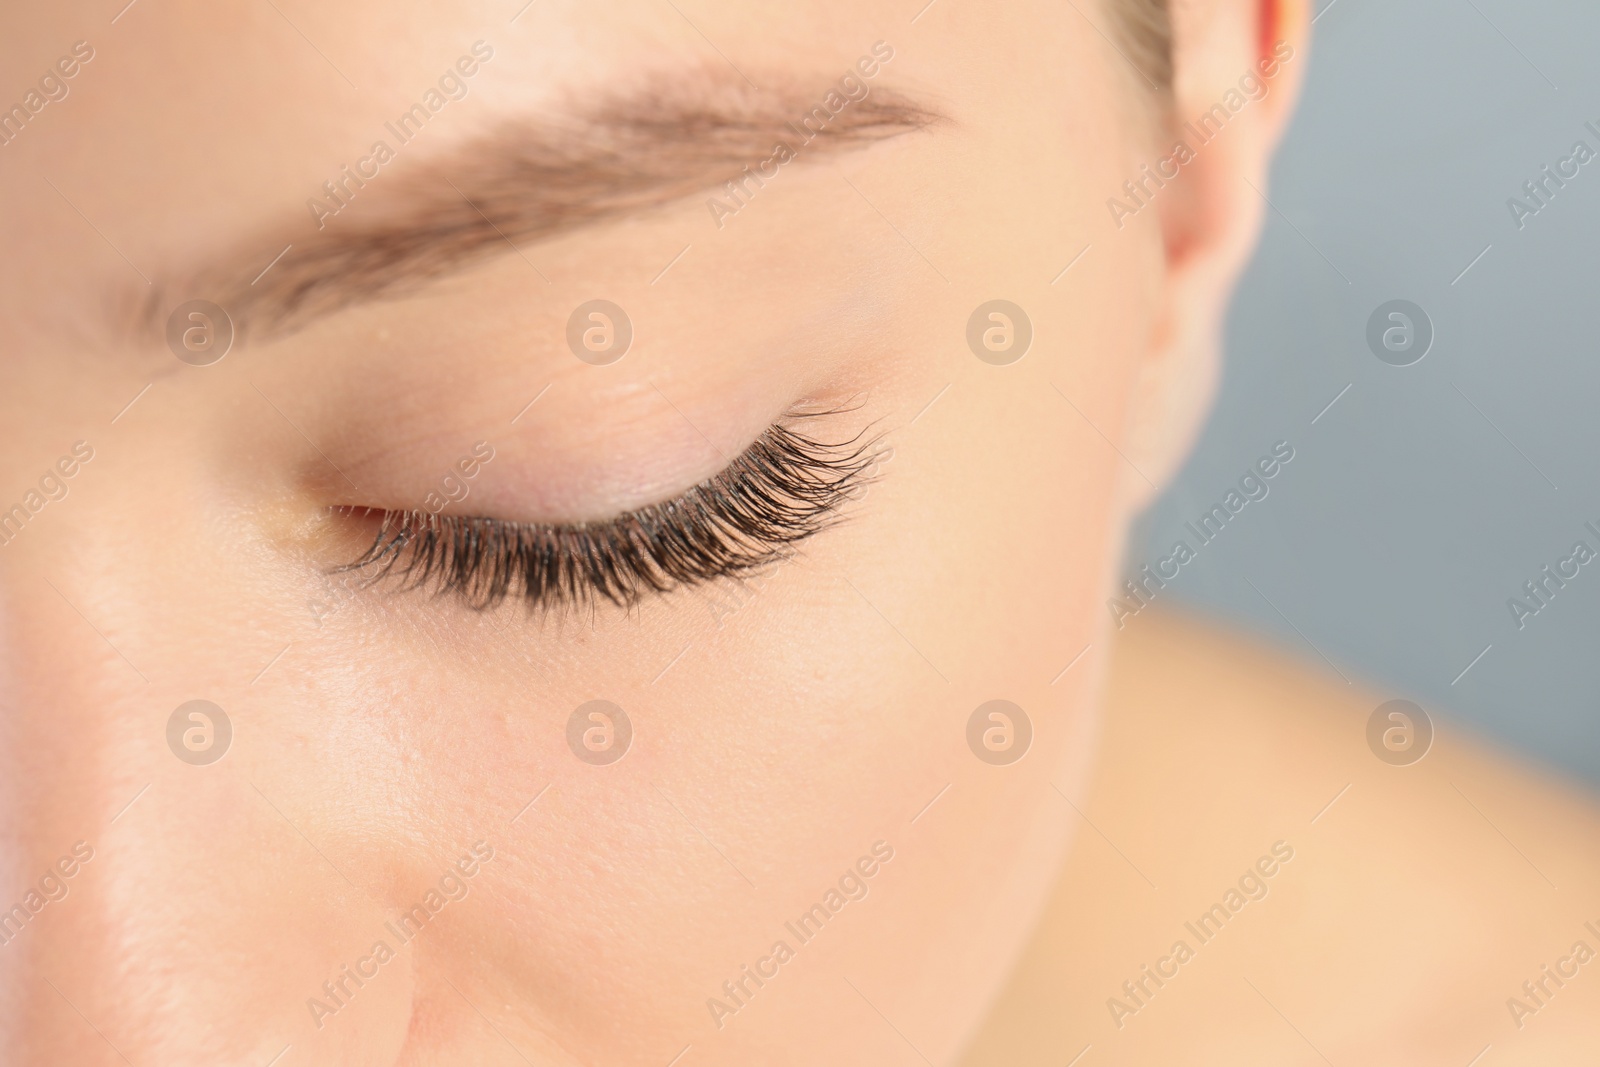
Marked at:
<point>1146,30</point>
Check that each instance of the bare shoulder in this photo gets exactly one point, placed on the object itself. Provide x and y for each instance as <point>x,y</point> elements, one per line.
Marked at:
<point>1252,882</point>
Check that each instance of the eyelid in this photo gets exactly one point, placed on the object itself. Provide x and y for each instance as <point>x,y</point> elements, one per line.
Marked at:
<point>783,489</point>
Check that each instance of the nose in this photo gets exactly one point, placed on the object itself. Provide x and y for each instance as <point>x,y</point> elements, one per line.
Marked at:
<point>162,895</point>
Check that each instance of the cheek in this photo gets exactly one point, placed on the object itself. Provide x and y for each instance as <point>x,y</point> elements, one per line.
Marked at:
<point>779,748</point>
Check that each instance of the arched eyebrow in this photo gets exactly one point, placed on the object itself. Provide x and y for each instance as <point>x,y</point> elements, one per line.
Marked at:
<point>526,181</point>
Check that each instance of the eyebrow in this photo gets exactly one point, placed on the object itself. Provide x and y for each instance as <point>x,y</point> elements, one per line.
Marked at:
<point>526,181</point>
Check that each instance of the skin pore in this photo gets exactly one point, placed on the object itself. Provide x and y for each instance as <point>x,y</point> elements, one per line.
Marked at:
<point>786,731</point>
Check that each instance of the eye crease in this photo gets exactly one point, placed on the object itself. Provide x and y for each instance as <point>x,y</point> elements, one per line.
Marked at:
<point>786,487</point>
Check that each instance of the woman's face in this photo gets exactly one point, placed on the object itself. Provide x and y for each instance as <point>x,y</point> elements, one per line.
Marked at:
<point>799,737</point>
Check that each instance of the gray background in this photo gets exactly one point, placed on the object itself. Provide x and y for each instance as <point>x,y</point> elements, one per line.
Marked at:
<point>1408,516</point>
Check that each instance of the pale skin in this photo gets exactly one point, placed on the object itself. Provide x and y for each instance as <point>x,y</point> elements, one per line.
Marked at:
<point>784,727</point>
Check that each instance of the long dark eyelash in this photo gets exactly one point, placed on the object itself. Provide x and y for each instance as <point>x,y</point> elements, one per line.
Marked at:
<point>783,489</point>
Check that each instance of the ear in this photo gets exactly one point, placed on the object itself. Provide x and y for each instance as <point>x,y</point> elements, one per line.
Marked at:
<point>1237,65</point>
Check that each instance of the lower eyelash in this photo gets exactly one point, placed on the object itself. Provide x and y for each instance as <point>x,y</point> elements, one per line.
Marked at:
<point>781,490</point>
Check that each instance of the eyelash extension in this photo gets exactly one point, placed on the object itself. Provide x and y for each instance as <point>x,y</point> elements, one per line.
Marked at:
<point>781,490</point>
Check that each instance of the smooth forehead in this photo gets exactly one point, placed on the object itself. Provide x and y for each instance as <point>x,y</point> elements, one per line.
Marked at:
<point>190,107</point>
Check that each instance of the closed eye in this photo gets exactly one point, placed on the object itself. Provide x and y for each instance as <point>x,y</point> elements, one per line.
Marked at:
<point>784,488</point>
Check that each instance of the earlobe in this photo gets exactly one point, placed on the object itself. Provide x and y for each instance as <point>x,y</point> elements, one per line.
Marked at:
<point>1237,69</point>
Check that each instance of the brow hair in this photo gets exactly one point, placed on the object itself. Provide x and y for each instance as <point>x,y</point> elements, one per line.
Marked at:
<point>527,181</point>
